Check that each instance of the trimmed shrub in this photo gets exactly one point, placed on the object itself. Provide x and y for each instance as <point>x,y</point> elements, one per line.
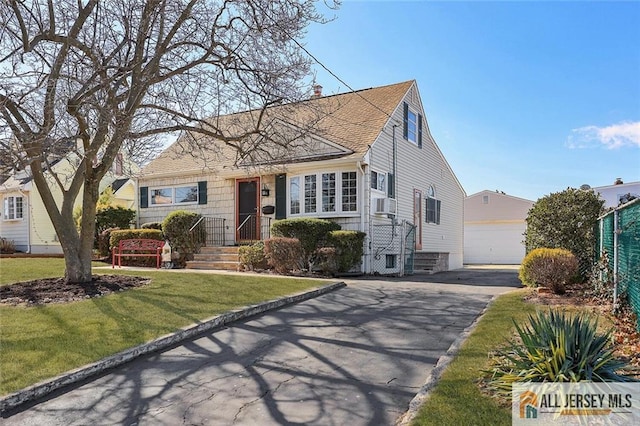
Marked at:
<point>312,233</point>
<point>556,347</point>
<point>349,248</point>
<point>553,268</point>
<point>283,254</point>
<point>104,242</point>
<point>7,246</point>
<point>327,260</point>
<point>132,234</point>
<point>175,228</point>
<point>252,257</point>
<point>114,217</point>
<point>152,225</point>
<point>566,220</point>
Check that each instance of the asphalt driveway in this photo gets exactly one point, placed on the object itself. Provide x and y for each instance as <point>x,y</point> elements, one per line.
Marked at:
<point>356,356</point>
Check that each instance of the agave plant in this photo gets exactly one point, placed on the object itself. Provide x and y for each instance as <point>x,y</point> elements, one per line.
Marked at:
<point>557,347</point>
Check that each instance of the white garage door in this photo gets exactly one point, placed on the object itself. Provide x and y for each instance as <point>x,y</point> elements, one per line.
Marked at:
<point>494,243</point>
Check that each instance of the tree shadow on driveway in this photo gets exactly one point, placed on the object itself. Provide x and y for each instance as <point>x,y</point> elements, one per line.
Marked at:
<point>355,356</point>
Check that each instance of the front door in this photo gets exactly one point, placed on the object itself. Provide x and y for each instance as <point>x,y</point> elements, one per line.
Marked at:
<point>247,217</point>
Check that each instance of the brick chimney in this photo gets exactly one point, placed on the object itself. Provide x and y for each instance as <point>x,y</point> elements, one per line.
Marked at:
<point>317,91</point>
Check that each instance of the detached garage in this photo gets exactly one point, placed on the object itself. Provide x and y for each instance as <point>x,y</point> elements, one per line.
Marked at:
<point>494,224</point>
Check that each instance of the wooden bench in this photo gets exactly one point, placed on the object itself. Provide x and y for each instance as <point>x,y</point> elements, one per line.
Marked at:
<point>137,248</point>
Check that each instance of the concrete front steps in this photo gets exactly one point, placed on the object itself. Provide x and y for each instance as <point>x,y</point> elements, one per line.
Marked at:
<point>430,262</point>
<point>219,258</point>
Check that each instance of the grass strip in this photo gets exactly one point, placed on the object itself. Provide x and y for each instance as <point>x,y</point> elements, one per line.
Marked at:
<point>40,342</point>
<point>456,399</point>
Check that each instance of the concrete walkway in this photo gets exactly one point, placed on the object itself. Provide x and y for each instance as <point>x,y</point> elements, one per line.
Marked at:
<point>356,356</point>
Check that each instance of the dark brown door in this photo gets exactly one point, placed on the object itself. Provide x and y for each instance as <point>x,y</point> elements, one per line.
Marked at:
<point>247,217</point>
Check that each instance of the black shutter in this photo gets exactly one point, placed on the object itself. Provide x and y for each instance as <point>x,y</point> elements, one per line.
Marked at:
<point>419,131</point>
<point>281,196</point>
<point>438,203</point>
<point>202,192</point>
<point>391,193</point>
<point>405,126</point>
<point>144,197</point>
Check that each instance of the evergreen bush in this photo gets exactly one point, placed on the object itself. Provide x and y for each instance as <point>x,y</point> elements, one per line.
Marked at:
<point>252,257</point>
<point>175,228</point>
<point>312,234</point>
<point>349,248</point>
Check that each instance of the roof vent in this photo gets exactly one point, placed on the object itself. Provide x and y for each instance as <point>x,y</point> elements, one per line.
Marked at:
<point>618,181</point>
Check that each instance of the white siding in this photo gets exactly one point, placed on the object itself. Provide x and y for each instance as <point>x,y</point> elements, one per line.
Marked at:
<point>16,230</point>
<point>498,243</point>
<point>220,201</point>
<point>494,224</point>
<point>611,194</point>
<point>418,169</point>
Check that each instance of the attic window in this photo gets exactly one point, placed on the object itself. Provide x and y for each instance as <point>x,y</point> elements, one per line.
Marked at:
<point>412,129</point>
<point>485,199</point>
<point>412,126</point>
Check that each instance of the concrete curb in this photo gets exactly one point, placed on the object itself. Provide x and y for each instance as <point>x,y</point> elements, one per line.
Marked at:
<point>41,389</point>
<point>443,362</point>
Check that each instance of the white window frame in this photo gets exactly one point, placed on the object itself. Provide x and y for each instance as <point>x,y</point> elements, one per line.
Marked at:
<point>384,180</point>
<point>319,197</point>
<point>173,190</point>
<point>412,132</point>
<point>433,199</point>
<point>10,208</point>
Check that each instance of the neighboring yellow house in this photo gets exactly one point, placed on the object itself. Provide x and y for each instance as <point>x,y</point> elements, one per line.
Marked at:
<point>24,219</point>
<point>124,193</point>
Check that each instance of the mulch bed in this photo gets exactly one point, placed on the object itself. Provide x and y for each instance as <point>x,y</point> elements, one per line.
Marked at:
<point>56,290</point>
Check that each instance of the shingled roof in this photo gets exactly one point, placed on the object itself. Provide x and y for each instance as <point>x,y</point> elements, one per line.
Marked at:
<point>351,121</point>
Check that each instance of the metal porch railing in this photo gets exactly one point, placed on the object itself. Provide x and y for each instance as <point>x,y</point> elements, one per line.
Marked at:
<point>250,232</point>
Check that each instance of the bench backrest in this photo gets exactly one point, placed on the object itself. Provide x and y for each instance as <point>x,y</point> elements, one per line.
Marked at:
<point>140,245</point>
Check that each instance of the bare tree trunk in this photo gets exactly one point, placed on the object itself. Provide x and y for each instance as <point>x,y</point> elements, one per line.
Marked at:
<point>82,81</point>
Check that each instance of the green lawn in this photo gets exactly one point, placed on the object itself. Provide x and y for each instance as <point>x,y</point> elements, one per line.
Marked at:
<point>23,269</point>
<point>37,343</point>
<point>457,400</point>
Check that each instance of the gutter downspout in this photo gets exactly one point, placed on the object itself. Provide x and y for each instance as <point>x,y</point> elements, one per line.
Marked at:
<point>394,168</point>
<point>367,199</point>
<point>363,206</point>
<point>28,211</point>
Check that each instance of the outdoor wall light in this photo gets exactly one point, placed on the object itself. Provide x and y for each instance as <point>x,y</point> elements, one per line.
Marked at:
<point>265,191</point>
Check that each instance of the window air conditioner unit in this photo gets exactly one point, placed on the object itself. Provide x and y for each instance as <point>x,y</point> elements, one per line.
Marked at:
<point>386,206</point>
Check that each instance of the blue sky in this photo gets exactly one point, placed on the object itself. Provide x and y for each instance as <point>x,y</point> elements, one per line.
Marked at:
<point>524,97</point>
